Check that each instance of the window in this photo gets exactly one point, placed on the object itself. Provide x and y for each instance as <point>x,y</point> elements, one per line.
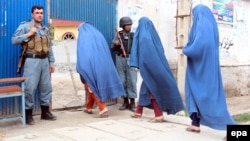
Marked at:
<point>68,36</point>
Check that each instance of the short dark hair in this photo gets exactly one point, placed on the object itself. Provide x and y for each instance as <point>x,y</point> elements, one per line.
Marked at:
<point>36,7</point>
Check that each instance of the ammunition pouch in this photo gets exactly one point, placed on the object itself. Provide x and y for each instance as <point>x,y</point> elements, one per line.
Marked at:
<point>39,45</point>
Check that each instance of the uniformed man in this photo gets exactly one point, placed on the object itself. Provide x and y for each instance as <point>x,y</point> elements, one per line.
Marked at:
<point>122,49</point>
<point>39,63</point>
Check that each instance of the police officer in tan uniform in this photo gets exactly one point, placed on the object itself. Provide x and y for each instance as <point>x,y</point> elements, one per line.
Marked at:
<point>39,63</point>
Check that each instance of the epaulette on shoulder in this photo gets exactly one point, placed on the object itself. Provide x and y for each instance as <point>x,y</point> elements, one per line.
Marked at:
<point>23,22</point>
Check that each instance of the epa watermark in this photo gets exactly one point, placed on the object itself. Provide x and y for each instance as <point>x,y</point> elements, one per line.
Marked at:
<point>238,132</point>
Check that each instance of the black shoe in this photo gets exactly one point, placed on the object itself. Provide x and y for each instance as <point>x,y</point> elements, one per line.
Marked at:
<point>124,106</point>
<point>29,119</point>
<point>46,114</point>
<point>132,107</point>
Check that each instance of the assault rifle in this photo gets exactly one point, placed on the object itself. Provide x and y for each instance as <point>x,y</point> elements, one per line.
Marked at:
<point>22,58</point>
<point>120,40</point>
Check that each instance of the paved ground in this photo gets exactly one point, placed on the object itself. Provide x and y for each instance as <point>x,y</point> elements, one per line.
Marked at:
<point>74,125</point>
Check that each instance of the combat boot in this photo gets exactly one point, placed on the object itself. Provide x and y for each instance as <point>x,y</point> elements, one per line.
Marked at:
<point>132,105</point>
<point>46,114</point>
<point>125,104</point>
<point>29,118</point>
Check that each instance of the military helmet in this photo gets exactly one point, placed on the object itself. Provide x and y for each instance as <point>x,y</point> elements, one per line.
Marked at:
<point>125,21</point>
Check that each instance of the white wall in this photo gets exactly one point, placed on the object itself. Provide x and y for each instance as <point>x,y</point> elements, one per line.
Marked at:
<point>162,13</point>
<point>238,34</point>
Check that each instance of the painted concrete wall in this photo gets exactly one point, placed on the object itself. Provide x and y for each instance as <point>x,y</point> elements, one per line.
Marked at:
<point>60,31</point>
<point>162,13</point>
<point>238,35</point>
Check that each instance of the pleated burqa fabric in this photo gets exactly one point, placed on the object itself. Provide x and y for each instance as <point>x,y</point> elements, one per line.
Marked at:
<point>204,89</point>
<point>95,64</point>
<point>147,54</point>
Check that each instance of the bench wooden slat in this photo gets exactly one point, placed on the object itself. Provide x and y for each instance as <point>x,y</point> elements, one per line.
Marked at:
<point>10,89</point>
<point>10,80</point>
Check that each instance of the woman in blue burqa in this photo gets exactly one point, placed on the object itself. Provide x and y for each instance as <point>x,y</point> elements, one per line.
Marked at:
<point>95,64</point>
<point>204,92</point>
<point>158,89</point>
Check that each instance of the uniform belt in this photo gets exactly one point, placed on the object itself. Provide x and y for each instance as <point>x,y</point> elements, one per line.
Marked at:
<point>39,56</point>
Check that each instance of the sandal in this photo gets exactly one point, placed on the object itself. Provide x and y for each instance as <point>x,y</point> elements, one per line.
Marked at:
<point>155,120</point>
<point>87,111</point>
<point>103,115</point>
<point>191,129</point>
<point>136,115</point>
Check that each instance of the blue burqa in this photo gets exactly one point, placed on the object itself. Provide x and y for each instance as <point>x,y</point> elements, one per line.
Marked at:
<point>95,64</point>
<point>204,90</point>
<point>147,54</point>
